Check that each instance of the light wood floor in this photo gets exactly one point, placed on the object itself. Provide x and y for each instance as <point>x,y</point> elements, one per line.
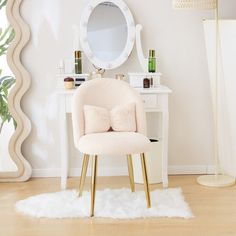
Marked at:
<point>214,210</point>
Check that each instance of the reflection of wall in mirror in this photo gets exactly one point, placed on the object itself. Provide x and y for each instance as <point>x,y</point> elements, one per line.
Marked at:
<point>107,44</point>
<point>105,17</point>
<point>107,32</point>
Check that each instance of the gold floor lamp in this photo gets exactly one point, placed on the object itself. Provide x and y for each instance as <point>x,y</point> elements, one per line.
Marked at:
<point>218,179</point>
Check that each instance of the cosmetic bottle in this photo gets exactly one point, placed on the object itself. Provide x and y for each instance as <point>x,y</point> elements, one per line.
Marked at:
<point>146,83</point>
<point>151,83</point>
<point>78,62</point>
<point>152,62</point>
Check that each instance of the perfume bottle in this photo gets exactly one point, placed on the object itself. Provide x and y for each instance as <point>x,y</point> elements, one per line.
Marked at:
<point>78,62</point>
<point>152,62</point>
<point>151,83</point>
<point>146,83</point>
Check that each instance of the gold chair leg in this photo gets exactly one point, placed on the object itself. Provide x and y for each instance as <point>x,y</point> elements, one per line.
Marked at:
<point>83,173</point>
<point>93,184</point>
<point>145,180</point>
<point>131,172</point>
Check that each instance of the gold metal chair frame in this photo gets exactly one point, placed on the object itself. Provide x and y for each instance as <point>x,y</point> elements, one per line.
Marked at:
<point>94,178</point>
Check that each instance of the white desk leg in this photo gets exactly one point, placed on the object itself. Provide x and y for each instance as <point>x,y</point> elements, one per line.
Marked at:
<point>63,143</point>
<point>165,129</point>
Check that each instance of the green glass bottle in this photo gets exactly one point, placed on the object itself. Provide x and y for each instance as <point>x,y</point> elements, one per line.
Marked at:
<point>152,62</point>
<point>78,62</point>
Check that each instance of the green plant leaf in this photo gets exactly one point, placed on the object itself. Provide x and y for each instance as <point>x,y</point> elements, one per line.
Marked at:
<point>2,50</point>
<point>5,39</point>
<point>5,90</point>
<point>1,103</point>
<point>3,3</point>
<point>11,36</point>
<point>14,123</point>
<point>8,83</point>
<point>5,32</point>
<point>5,77</point>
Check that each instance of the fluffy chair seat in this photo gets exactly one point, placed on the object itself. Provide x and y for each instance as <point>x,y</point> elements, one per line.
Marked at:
<point>113,143</point>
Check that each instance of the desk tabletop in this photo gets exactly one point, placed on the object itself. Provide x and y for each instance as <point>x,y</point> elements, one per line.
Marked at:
<point>157,90</point>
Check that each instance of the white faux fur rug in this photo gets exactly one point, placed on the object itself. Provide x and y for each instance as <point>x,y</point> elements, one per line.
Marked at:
<point>109,203</point>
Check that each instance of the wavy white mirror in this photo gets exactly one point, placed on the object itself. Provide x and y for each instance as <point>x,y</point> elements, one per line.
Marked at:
<point>107,33</point>
<point>13,166</point>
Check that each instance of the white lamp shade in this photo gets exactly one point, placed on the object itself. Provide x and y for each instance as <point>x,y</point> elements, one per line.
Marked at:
<point>195,4</point>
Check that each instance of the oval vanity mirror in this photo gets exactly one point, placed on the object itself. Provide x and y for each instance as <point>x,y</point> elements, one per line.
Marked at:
<point>107,33</point>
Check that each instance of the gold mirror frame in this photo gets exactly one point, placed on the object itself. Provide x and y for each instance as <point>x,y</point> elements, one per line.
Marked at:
<point>22,36</point>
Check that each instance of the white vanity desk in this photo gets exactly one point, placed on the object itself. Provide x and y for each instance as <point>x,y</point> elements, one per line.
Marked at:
<point>155,100</point>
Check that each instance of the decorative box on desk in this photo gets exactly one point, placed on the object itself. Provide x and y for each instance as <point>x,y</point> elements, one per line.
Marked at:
<point>78,78</point>
<point>136,79</point>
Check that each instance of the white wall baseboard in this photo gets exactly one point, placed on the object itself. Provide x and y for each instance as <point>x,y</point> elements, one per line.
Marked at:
<point>190,170</point>
<point>121,171</point>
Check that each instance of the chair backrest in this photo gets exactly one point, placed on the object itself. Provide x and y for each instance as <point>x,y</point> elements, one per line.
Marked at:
<point>106,93</point>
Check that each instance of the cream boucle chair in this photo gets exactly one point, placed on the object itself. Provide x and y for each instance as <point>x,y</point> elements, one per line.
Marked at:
<point>109,93</point>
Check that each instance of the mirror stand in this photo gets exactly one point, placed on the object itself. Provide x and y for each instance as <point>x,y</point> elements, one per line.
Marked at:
<point>142,60</point>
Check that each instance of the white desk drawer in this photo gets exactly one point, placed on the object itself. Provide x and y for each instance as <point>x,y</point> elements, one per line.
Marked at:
<point>150,100</point>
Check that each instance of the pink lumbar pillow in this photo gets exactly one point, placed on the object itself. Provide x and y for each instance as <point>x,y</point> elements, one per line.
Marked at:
<point>121,119</point>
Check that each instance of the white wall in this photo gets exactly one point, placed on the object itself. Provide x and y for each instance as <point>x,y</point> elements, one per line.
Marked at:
<point>179,40</point>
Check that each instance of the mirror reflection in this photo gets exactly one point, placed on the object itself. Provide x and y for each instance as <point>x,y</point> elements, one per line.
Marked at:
<point>107,32</point>
<point>7,81</point>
